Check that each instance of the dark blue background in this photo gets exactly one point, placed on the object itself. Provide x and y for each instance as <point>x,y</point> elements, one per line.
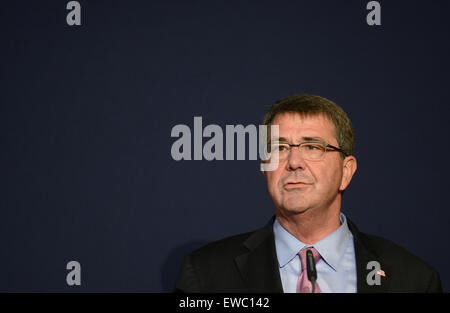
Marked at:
<point>86,114</point>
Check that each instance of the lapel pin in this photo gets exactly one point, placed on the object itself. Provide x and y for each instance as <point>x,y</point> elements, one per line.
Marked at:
<point>381,273</point>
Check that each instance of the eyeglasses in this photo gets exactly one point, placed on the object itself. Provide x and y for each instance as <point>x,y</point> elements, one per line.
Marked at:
<point>312,151</point>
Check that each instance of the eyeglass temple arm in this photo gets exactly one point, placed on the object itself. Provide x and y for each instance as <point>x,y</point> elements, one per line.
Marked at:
<point>335,148</point>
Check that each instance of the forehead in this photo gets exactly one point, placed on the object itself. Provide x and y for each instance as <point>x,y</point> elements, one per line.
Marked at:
<point>294,126</point>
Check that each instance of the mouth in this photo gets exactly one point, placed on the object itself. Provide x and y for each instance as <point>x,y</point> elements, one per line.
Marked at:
<point>294,185</point>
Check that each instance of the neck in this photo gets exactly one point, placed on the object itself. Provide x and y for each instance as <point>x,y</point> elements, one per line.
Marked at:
<point>312,225</point>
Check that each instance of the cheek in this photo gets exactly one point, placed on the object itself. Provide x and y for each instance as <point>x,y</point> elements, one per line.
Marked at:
<point>272,178</point>
<point>327,178</point>
<point>333,178</point>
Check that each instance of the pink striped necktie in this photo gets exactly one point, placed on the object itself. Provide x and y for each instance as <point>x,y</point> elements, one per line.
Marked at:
<point>303,284</point>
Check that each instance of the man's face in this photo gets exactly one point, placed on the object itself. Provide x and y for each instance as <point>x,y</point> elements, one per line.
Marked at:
<point>298,185</point>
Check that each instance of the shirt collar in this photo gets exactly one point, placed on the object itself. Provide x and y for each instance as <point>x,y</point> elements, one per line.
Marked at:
<point>331,248</point>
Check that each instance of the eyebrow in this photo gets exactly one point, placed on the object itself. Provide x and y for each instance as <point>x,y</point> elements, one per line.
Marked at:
<point>305,138</point>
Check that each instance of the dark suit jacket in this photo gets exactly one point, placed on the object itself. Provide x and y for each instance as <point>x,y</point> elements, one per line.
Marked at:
<point>248,263</point>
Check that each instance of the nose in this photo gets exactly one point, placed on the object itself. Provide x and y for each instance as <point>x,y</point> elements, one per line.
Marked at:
<point>295,160</point>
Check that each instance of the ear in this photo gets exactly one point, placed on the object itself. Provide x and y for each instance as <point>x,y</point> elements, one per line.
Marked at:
<point>349,166</point>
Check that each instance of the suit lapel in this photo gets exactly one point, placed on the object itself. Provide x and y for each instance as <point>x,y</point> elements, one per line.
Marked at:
<point>259,266</point>
<point>365,253</point>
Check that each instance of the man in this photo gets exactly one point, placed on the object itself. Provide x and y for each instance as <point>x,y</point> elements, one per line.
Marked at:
<point>314,150</point>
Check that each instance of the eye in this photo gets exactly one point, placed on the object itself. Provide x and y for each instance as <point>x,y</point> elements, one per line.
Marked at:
<point>279,147</point>
<point>313,147</point>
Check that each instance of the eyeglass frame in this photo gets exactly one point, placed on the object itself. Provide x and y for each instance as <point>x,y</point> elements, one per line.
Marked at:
<point>326,146</point>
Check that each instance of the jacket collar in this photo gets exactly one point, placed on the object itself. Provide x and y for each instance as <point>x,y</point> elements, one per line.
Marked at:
<point>366,252</point>
<point>259,266</point>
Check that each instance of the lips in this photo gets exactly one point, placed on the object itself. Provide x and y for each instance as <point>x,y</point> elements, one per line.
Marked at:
<point>295,184</point>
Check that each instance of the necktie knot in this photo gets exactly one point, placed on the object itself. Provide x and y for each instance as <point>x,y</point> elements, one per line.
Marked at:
<point>302,254</point>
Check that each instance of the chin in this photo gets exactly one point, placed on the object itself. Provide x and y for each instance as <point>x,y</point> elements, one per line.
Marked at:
<point>294,209</point>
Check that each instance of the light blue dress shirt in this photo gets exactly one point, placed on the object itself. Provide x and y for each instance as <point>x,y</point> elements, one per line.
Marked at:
<point>336,270</point>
